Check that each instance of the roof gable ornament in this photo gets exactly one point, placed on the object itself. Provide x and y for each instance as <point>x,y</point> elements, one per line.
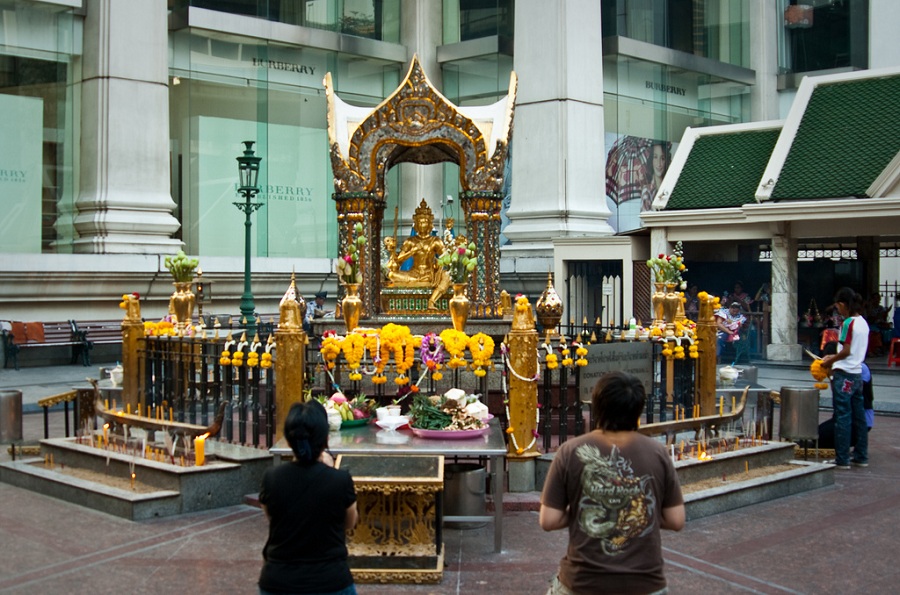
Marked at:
<point>417,124</point>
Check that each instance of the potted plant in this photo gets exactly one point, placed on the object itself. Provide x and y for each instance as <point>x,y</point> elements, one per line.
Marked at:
<point>181,304</point>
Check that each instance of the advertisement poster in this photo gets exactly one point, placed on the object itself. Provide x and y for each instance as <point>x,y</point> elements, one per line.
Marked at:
<point>21,129</point>
<point>635,167</point>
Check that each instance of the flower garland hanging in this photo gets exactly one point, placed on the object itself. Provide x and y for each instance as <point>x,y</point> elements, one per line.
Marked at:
<point>481,347</point>
<point>431,352</point>
<point>397,340</point>
<point>565,352</point>
<point>330,349</point>
<point>580,352</point>
<point>455,342</point>
<point>353,347</point>
<point>504,352</point>
<point>534,433</point>
<point>266,359</point>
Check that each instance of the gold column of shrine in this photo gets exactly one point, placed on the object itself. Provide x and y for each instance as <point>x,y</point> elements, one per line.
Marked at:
<point>523,391</point>
<point>482,212</point>
<point>290,341</point>
<point>132,332</point>
<point>366,208</point>
<point>706,347</point>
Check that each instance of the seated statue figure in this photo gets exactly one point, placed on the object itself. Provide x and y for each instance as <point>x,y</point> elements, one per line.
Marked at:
<point>424,249</point>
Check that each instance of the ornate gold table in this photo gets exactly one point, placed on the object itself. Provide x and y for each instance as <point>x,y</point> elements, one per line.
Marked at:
<point>398,537</point>
<point>372,440</point>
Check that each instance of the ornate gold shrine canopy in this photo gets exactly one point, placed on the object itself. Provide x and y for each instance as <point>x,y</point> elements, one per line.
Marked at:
<point>416,124</point>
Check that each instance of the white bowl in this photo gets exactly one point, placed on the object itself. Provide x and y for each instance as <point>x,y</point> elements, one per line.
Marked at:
<point>392,423</point>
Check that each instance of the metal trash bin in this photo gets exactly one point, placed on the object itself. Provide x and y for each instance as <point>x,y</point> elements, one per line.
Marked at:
<point>464,485</point>
<point>748,374</point>
<point>799,418</point>
<point>10,416</point>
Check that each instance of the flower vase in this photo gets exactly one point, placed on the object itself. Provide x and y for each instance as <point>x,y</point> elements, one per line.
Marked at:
<point>670,306</point>
<point>351,306</point>
<point>459,306</point>
<point>657,300</point>
<point>182,304</point>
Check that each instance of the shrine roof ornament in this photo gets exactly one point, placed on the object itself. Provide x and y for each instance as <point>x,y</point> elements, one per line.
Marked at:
<point>417,124</point>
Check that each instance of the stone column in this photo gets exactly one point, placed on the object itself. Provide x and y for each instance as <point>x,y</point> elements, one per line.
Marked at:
<point>420,31</point>
<point>558,152</point>
<point>764,60</point>
<point>124,205</point>
<point>784,345</point>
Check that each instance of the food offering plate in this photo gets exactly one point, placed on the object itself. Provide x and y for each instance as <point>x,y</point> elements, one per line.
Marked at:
<point>451,434</point>
<point>392,423</point>
<point>355,423</point>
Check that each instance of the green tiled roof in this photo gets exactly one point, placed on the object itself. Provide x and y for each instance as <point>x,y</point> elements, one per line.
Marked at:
<point>849,132</point>
<point>723,170</point>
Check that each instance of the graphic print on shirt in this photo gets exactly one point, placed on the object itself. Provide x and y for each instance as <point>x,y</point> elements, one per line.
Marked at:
<point>616,506</point>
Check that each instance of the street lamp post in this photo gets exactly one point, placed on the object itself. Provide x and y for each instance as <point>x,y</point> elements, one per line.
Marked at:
<point>248,169</point>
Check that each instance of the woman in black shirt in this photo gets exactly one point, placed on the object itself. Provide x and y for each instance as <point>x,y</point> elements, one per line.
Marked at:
<point>310,506</point>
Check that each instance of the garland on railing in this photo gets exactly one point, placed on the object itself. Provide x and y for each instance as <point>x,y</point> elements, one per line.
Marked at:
<point>534,433</point>
<point>397,342</point>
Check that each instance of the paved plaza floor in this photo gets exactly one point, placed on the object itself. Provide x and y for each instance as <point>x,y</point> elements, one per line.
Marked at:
<point>838,539</point>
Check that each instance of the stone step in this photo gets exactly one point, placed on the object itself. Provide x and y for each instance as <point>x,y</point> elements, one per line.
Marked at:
<point>100,479</point>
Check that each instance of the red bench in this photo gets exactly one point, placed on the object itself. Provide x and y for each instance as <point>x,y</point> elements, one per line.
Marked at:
<point>22,335</point>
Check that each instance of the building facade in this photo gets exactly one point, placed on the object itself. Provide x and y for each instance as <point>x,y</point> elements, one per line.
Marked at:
<point>124,119</point>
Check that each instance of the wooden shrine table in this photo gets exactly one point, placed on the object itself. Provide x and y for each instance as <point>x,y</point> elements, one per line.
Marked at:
<point>372,440</point>
<point>398,538</point>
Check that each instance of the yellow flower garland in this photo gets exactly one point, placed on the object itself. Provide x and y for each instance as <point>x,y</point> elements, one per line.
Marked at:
<point>331,348</point>
<point>455,342</point>
<point>353,347</point>
<point>481,347</point>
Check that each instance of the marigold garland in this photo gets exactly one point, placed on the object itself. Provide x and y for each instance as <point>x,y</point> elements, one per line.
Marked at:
<point>455,342</point>
<point>330,349</point>
<point>481,347</point>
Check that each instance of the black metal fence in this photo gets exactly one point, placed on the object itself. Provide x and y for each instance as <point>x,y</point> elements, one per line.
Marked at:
<point>188,378</point>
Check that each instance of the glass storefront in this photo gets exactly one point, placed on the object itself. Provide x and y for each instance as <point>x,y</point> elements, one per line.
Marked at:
<point>464,20</point>
<point>40,47</point>
<point>373,19</point>
<point>647,108</point>
<point>822,35</point>
<point>715,29</point>
<point>224,91</point>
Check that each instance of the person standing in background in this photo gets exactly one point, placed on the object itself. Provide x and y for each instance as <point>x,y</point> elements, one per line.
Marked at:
<point>847,383</point>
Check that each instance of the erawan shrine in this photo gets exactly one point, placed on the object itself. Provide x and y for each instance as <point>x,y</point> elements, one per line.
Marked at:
<point>444,392</point>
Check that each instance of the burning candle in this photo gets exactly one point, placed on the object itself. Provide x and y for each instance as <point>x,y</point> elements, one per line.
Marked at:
<point>132,481</point>
<point>200,449</point>
<point>105,434</point>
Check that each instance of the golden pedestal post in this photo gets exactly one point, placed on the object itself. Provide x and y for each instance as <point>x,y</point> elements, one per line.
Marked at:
<point>523,339</point>
<point>290,355</point>
<point>398,538</point>
<point>132,332</point>
<point>706,368</point>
